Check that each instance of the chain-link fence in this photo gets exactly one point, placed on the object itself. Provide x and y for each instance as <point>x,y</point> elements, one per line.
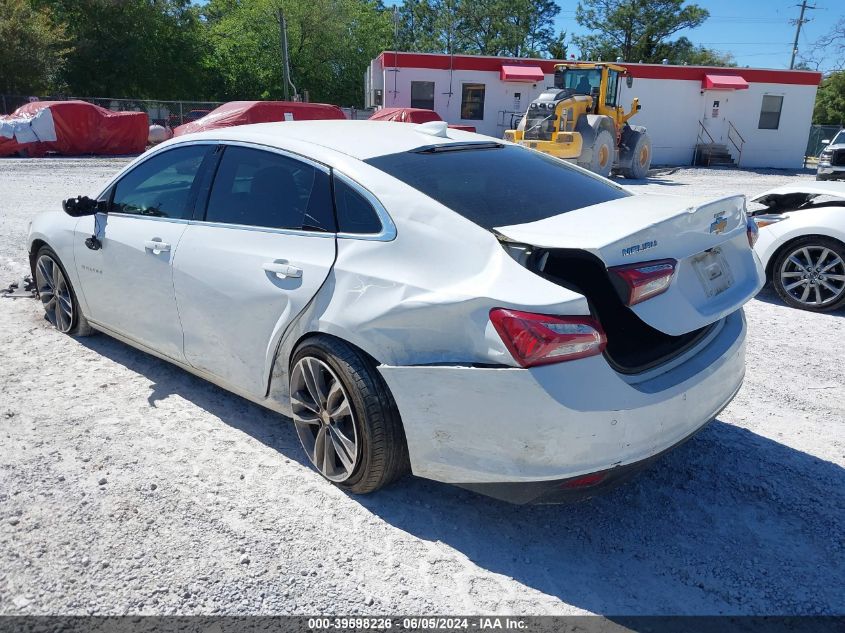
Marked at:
<point>819,134</point>
<point>170,113</point>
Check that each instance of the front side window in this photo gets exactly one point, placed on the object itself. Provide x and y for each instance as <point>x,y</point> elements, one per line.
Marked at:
<point>258,188</point>
<point>422,94</point>
<point>770,112</point>
<point>472,102</point>
<point>583,81</point>
<point>354,213</point>
<point>161,186</point>
<point>488,185</point>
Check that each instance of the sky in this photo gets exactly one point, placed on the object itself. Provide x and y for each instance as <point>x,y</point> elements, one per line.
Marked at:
<point>759,33</point>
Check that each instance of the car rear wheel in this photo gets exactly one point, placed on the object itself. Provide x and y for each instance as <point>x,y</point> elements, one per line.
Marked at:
<point>345,416</point>
<point>57,295</point>
<point>809,274</point>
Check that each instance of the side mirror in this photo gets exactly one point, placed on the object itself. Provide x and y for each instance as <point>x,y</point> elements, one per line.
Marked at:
<point>826,141</point>
<point>83,205</point>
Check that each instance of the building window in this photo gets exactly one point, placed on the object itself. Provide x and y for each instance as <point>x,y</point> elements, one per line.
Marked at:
<point>422,94</point>
<point>472,102</point>
<point>770,112</point>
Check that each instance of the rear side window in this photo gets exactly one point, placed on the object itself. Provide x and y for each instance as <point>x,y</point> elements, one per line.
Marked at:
<point>161,186</point>
<point>354,213</point>
<point>498,186</point>
<point>264,189</point>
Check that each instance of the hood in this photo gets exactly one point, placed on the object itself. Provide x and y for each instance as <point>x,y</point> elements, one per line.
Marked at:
<point>796,195</point>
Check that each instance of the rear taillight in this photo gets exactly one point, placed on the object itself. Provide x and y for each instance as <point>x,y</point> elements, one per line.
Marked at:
<point>539,339</point>
<point>644,280</point>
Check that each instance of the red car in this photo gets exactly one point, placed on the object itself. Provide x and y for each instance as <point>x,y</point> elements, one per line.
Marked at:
<point>246,112</point>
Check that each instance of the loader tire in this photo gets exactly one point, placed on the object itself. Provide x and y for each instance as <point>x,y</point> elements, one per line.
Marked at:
<point>639,145</point>
<point>604,154</point>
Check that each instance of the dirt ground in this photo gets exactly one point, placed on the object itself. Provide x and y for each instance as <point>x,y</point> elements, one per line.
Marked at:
<point>130,486</point>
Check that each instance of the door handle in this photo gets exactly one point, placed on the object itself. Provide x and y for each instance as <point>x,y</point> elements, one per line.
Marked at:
<point>282,270</point>
<point>156,246</point>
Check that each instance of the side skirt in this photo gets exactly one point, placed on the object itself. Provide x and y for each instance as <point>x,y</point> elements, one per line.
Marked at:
<point>215,380</point>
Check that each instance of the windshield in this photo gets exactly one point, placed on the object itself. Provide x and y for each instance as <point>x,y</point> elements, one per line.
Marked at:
<point>839,138</point>
<point>498,185</point>
<point>580,81</point>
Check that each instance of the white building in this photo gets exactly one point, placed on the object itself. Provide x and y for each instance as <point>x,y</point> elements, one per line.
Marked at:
<point>764,113</point>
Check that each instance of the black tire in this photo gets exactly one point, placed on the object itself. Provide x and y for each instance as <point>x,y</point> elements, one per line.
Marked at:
<point>820,177</point>
<point>79,324</point>
<point>639,150</point>
<point>604,154</point>
<point>784,266</point>
<point>382,452</point>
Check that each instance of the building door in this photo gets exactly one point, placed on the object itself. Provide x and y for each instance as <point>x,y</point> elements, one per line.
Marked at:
<point>716,117</point>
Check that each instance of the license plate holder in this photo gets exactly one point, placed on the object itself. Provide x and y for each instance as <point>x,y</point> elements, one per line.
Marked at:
<point>713,271</point>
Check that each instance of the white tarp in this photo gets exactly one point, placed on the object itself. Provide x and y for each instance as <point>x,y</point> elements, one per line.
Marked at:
<point>30,130</point>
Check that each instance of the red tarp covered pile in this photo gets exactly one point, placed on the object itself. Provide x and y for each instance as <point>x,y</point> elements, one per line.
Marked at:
<point>246,112</point>
<point>71,128</point>
<point>413,115</point>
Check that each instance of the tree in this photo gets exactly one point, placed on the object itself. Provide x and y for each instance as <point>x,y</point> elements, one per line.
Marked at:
<point>828,50</point>
<point>427,26</point>
<point>132,48</point>
<point>557,49</point>
<point>683,51</point>
<point>633,29</point>
<point>34,48</point>
<point>330,42</point>
<point>830,101</point>
<point>518,28</point>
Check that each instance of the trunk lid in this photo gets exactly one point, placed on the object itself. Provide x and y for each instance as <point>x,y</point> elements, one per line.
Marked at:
<point>716,273</point>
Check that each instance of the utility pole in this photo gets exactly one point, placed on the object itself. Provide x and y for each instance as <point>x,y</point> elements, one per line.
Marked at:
<point>283,34</point>
<point>798,24</point>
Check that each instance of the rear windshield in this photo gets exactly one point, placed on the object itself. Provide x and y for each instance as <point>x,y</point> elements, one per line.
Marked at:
<point>499,185</point>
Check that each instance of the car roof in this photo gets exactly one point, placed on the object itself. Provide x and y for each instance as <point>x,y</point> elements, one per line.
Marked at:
<point>358,139</point>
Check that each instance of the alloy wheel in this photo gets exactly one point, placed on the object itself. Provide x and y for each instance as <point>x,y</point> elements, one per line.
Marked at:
<point>324,420</point>
<point>813,276</point>
<point>54,292</point>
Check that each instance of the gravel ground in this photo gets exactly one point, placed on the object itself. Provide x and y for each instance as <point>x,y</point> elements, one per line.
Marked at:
<point>130,486</point>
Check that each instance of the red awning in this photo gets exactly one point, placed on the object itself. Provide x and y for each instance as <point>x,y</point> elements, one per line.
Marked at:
<point>522,73</point>
<point>724,82</point>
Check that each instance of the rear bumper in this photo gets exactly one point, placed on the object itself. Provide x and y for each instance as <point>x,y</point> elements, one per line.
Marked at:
<point>503,425</point>
<point>571,489</point>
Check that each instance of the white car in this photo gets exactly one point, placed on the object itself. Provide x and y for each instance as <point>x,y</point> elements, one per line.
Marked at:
<point>417,298</point>
<point>832,158</point>
<point>802,243</point>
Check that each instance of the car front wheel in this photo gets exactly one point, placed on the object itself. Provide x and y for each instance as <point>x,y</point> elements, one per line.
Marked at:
<point>57,295</point>
<point>345,416</point>
<point>809,274</point>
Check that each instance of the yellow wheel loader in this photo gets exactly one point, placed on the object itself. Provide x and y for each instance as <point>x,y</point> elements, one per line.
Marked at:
<point>579,120</point>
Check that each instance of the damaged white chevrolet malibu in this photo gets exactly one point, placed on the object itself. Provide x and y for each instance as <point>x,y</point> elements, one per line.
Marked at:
<point>417,298</point>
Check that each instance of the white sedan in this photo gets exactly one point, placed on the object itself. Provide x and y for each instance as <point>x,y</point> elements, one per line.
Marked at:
<point>417,298</point>
<point>802,243</point>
